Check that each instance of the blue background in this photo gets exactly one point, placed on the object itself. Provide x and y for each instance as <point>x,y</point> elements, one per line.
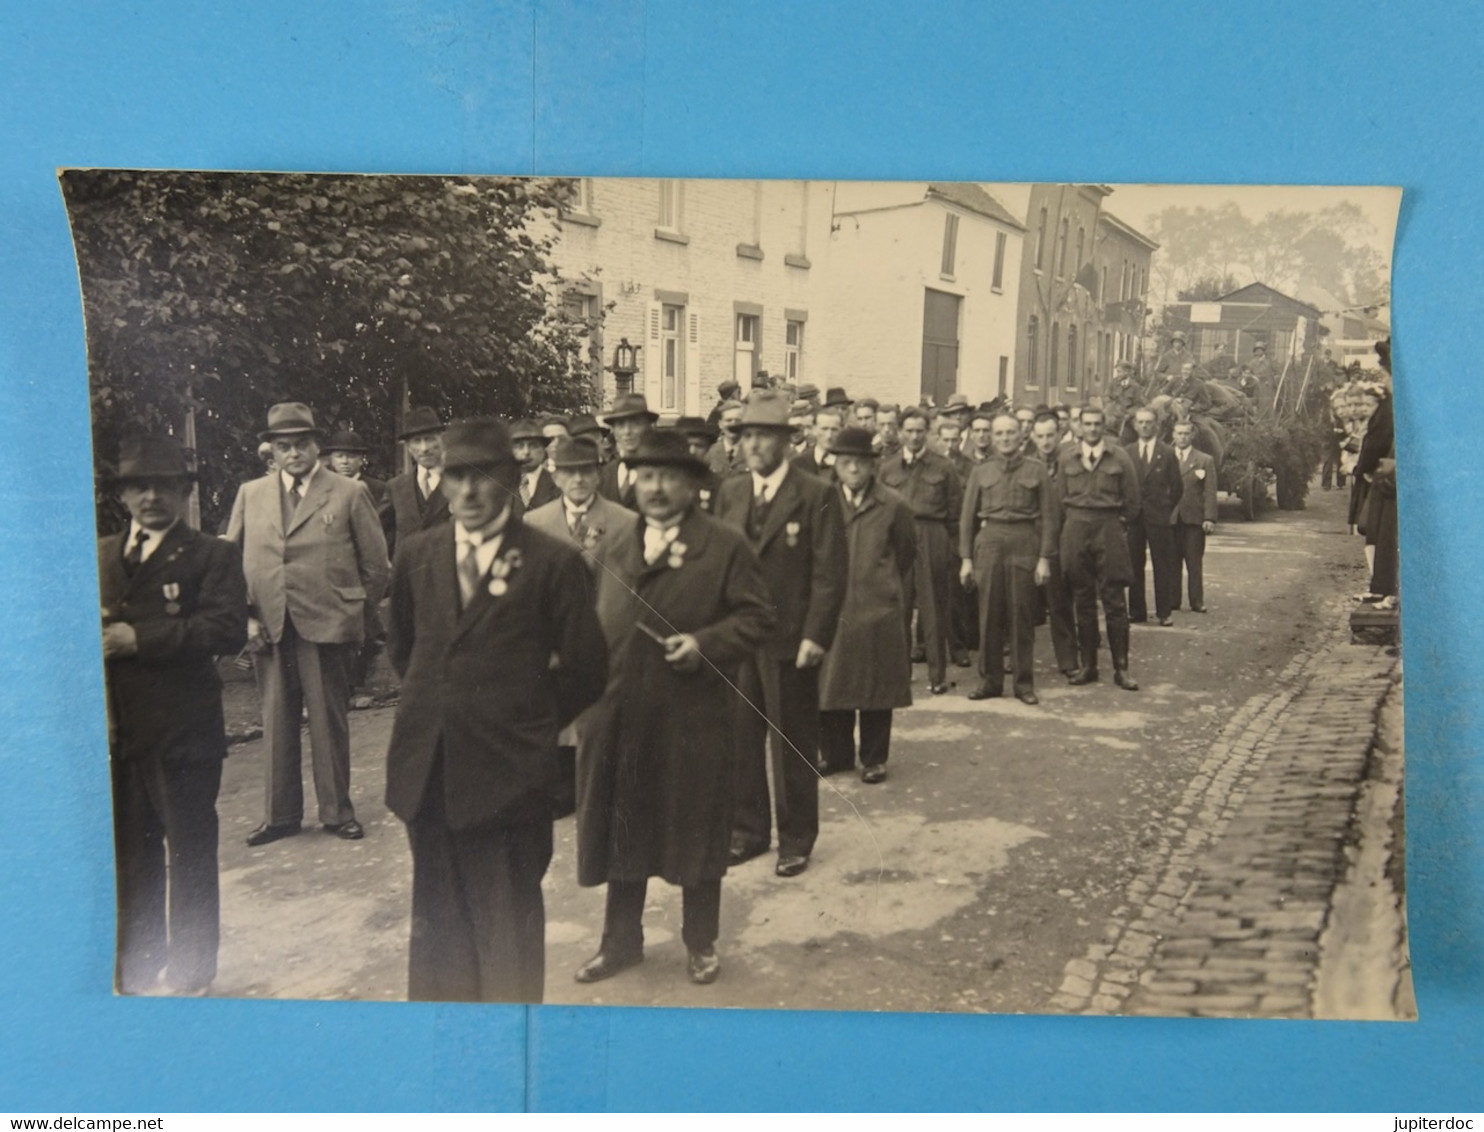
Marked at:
<point>1367,93</point>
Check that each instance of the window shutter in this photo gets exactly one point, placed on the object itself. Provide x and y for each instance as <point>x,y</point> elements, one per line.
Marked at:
<point>692,394</point>
<point>652,354</point>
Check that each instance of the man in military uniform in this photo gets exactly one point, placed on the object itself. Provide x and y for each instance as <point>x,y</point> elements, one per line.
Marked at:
<point>1177,355</point>
<point>932,489</point>
<point>1007,534</point>
<point>1054,597</point>
<point>173,600</point>
<point>1100,493</point>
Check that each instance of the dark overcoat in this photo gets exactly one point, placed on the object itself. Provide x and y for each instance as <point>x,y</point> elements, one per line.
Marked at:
<point>869,667</point>
<point>490,686</point>
<point>409,511</point>
<point>654,769</point>
<point>188,604</point>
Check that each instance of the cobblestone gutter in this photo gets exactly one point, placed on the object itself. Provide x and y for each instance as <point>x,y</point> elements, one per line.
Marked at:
<point>1227,919</point>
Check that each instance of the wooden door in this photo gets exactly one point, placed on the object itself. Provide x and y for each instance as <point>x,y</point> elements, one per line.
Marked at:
<point>940,345</point>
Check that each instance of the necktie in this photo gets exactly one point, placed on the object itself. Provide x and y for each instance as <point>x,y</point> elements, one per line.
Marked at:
<point>623,476</point>
<point>296,492</point>
<point>526,490</point>
<point>134,556</point>
<point>468,573</point>
<point>424,483</point>
<point>577,523</point>
<point>758,513</point>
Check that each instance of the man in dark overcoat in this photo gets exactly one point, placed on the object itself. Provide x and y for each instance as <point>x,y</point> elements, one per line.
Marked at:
<point>495,637</point>
<point>1149,533</point>
<point>868,672</point>
<point>173,600</point>
<point>793,523</point>
<point>414,502</point>
<point>1192,516</point>
<point>682,603</point>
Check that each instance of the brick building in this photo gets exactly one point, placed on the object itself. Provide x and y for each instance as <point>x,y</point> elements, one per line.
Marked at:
<point>708,279</point>
<point>922,281</point>
<point>1121,257</point>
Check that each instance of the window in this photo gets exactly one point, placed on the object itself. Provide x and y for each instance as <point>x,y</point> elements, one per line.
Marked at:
<point>1041,242</point>
<point>950,244</point>
<point>1127,282</point>
<point>1073,362</point>
<point>586,310</point>
<point>1103,284</point>
<point>1081,243</point>
<point>998,281</point>
<point>1061,248</point>
<point>1053,366</point>
<point>672,354</point>
<point>1004,372</point>
<point>793,349</point>
<point>671,218</point>
<point>1032,359</point>
<point>582,197</point>
<point>744,366</point>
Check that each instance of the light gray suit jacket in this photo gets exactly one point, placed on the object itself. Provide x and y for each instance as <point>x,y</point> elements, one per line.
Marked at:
<point>323,569</point>
<point>607,524</point>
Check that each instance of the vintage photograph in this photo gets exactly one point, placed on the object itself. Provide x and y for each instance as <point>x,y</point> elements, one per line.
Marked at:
<point>911,596</point>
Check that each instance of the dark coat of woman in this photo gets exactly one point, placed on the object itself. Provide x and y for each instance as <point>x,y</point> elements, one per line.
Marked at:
<point>654,769</point>
<point>869,666</point>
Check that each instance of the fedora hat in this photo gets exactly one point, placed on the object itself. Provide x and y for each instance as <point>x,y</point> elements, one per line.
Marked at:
<point>527,430</point>
<point>479,443</point>
<point>853,442</point>
<point>766,409</point>
<point>808,392</point>
<point>419,421</point>
<point>290,418</point>
<point>957,403</point>
<point>584,424</point>
<point>627,406</point>
<point>836,396</point>
<point>575,452</point>
<point>666,448</point>
<point>695,426</point>
<point>345,442</point>
<point>152,458</point>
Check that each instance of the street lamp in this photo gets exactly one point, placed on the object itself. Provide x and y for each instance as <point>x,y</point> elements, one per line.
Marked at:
<point>625,365</point>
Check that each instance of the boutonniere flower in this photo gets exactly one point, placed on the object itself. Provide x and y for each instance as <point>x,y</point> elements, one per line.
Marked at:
<point>501,569</point>
<point>791,532</point>
<point>1200,473</point>
<point>677,554</point>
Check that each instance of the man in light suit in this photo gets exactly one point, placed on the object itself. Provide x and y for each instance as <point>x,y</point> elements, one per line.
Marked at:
<point>413,498</point>
<point>314,555</point>
<point>1194,516</point>
<point>495,634</point>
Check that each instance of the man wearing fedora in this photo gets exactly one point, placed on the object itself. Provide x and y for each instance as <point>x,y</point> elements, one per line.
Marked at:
<point>535,487</point>
<point>586,425</point>
<point>682,604</point>
<point>315,556</point>
<point>416,503</point>
<point>631,421</point>
<point>794,525</point>
<point>173,600</point>
<point>700,435</point>
<point>867,673</point>
<point>494,635</point>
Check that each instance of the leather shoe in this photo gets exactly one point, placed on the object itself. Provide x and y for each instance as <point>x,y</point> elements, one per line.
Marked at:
<point>1028,698</point>
<point>1166,621</point>
<point>791,866</point>
<point>874,774</point>
<point>962,660</point>
<point>986,691</point>
<point>918,656</point>
<point>604,966</point>
<point>266,833</point>
<point>740,852</point>
<point>1198,609</point>
<point>1124,680</point>
<point>1083,676</point>
<point>704,966</point>
<point>939,689</point>
<point>347,831</point>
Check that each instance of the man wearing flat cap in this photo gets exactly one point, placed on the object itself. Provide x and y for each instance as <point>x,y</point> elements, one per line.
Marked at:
<point>315,556</point>
<point>725,457</point>
<point>682,604</point>
<point>631,421</point>
<point>494,635</point>
<point>173,600</point>
<point>535,487</point>
<point>793,523</point>
<point>416,503</point>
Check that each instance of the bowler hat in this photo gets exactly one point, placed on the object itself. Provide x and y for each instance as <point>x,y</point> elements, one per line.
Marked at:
<point>419,421</point>
<point>152,458</point>
<point>836,396</point>
<point>575,452</point>
<point>290,418</point>
<point>584,424</point>
<point>527,430</point>
<point>480,443</point>
<point>854,442</point>
<point>695,426</point>
<point>345,442</point>
<point>666,448</point>
<point>765,409</point>
<point>628,406</point>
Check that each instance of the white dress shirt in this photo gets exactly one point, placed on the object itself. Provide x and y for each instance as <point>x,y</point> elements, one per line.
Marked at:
<point>767,486</point>
<point>151,541</point>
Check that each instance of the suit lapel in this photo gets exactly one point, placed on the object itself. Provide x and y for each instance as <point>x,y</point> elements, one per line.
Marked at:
<point>479,605</point>
<point>783,506</point>
<point>170,548</point>
<point>317,495</point>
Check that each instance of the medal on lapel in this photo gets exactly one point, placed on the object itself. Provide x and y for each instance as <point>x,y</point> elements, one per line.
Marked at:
<point>501,569</point>
<point>171,590</point>
<point>591,536</point>
<point>677,555</point>
<point>791,533</point>
<point>328,518</point>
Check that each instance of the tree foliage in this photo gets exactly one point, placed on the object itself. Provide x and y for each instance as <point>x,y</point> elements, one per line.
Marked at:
<point>232,291</point>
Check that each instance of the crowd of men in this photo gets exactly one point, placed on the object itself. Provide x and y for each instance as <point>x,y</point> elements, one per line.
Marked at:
<point>673,630</point>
